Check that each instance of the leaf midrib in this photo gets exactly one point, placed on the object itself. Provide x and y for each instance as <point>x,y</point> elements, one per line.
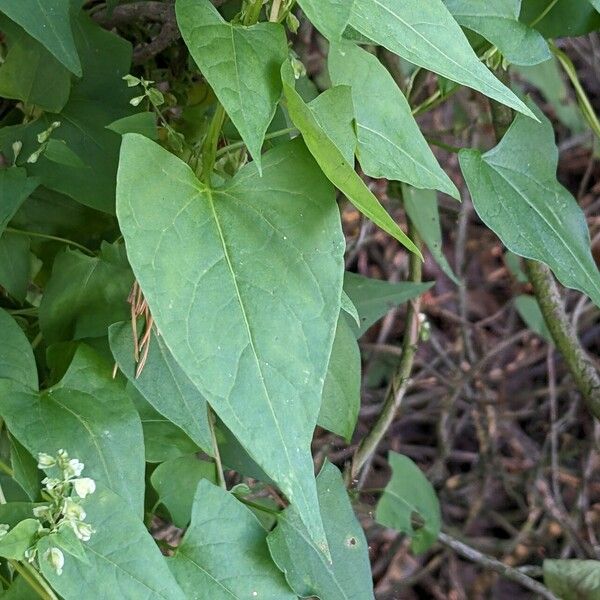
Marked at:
<point>211,202</point>
<point>439,50</point>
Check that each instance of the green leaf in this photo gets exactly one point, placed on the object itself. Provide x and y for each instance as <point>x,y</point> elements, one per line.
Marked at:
<point>330,17</point>
<point>57,151</point>
<point>49,23</point>
<point>499,23</point>
<point>121,555</point>
<point>19,590</point>
<point>409,504</point>
<point>235,457</point>
<point>334,113</point>
<point>516,194</point>
<point>422,208</point>
<point>529,310</point>
<point>240,63</point>
<point>98,99</point>
<point>25,470</point>
<point>15,187</point>
<point>163,384</point>
<point>348,575</point>
<point>15,263</point>
<point>16,355</point>
<point>374,298</point>
<point>595,4</point>
<point>87,413</point>
<point>85,294</point>
<point>66,540</point>
<point>573,579</point>
<point>566,19</point>
<point>143,123</point>
<point>31,74</point>
<point>349,308</point>
<point>224,554</point>
<point>176,481</point>
<point>333,162</point>
<point>251,323</point>
<point>18,539</point>
<point>12,513</point>
<point>341,393</point>
<point>425,34</point>
<point>390,143</point>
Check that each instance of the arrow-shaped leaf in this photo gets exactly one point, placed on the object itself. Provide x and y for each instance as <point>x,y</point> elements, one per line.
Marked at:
<point>244,283</point>
<point>516,194</point>
<point>426,34</point>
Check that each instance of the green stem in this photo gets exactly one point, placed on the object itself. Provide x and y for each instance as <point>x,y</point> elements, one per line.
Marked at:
<point>34,579</point>
<point>36,340</point>
<point>259,506</point>
<point>584,102</point>
<point>215,446</point>
<point>52,238</point>
<point>401,378</point>
<point>253,13</point>
<point>5,469</point>
<point>241,144</point>
<point>543,13</point>
<point>565,337</point>
<point>209,148</point>
<point>448,147</point>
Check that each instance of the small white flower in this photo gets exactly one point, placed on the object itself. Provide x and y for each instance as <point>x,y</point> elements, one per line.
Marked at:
<point>72,510</point>
<point>82,530</point>
<point>3,529</point>
<point>74,468</point>
<point>56,558</point>
<point>84,486</point>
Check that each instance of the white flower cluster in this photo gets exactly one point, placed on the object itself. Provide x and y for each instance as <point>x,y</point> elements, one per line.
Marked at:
<point>64,494</point>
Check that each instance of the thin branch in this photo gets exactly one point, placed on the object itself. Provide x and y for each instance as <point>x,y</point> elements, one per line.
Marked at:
<point>495,565</point>
<point>401,378</point>
<point>148,10</point>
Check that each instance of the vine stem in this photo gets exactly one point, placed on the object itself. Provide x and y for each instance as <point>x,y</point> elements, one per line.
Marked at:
<point>209,148</point>
<point>564,335</point>
<point>34,579</point>
<point>52,238</point>
<point>401,378</point>
<point>495,565</point>
<point>551,304</point>
<point>268,136</point>
<point>215,445</point>
<point>543,13</point>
